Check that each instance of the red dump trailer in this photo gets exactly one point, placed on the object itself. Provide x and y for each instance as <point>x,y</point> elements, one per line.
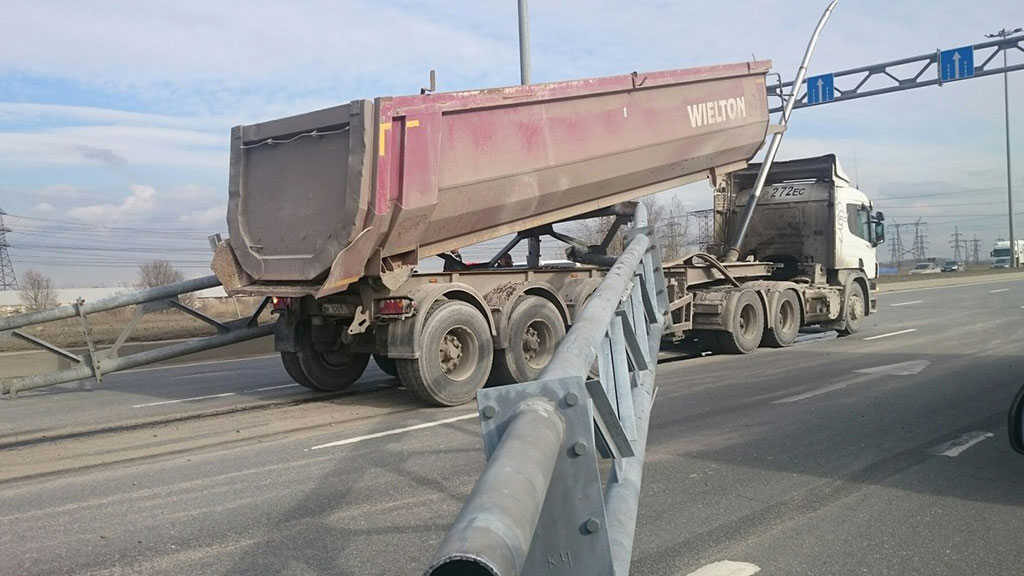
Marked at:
<point>331,211</point>
<point>367,189</point>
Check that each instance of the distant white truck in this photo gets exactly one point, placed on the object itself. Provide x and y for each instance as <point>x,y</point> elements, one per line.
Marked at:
<point>1002,256</point>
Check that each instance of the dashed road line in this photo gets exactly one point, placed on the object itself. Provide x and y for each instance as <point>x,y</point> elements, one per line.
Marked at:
<point>907,331</point>
<point>810,394</point>
<point>185,400</point>
<point>276,387</point>
<point>953,448</point>
<point>727,568</point>
<point>395,431</point>
<point>907,303</point>
<point>1000,290</point>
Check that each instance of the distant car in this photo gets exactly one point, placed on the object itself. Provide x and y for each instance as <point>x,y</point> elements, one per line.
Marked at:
<point>926,268</point>
<point>953,266</point>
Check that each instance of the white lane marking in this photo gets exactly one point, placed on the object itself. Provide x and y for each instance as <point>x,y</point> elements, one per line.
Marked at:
<point>276,387</point>
<point>1000,290</point>
<point>185,400</point>
<point>899,369</point>
<point>201,374</point>
<point>202,363</point>
<point>810,394</point>
<point>727,568</point>
<point>892,334</point>
<point>953,448</point>
<point>395,431</point>
<point>907,303</point>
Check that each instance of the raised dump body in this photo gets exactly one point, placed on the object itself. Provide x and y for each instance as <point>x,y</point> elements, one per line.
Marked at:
<point>320,200</point>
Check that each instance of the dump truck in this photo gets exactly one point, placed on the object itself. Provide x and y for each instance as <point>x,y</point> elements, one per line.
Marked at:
<point>330,213</point>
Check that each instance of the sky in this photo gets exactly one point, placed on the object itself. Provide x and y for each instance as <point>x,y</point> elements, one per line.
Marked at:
<point>115,116</point>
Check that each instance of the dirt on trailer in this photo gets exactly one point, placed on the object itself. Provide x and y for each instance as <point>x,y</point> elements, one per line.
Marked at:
<point>105,327</point>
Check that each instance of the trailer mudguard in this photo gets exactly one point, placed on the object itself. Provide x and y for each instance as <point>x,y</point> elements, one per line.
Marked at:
<point>404,335</point>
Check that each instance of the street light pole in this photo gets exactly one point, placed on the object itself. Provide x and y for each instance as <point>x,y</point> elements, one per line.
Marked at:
<point>1004,33</point>
<point>533,252</point>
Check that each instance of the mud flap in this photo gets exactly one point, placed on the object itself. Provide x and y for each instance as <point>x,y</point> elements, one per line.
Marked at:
<point>287,337</point>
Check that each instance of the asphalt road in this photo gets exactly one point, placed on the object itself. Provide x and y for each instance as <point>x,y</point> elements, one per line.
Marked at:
<point>868,454</point>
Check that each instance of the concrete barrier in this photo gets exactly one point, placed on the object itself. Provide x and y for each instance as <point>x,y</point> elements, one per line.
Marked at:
<point>15,364</point>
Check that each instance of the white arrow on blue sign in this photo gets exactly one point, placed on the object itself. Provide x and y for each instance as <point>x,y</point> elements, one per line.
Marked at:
<point>821,89</point>
<point>956,64</point>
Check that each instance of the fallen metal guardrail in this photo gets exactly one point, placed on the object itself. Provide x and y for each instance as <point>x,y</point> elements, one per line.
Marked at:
<point>95,363</point>
<point>540,506</point>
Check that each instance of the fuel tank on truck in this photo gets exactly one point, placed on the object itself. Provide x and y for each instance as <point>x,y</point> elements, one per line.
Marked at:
<point>319,200</point>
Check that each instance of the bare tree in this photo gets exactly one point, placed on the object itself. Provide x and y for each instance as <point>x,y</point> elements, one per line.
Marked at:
<point>666,216</point>
<point>37,292</point>
<point>160,273</point>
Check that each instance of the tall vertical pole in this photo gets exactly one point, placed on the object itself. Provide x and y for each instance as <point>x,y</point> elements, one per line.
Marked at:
<point>1014,256</point>
<point>533,254</point>
<point>524,43</point>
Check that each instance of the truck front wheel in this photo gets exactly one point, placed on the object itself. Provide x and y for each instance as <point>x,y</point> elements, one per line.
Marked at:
<point>747,325</point>
<point>456,353</point>
<point>535,329</point>
<point>854,310</point>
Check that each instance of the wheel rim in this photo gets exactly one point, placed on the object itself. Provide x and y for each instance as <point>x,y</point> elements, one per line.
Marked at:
<point>458,352</point>
<point>335,358</point>
<point>747,321</point>
<point>538,339</point>
<point>856,308</point>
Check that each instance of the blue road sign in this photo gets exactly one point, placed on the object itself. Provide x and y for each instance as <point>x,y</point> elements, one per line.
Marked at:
<point>821,89</point>
<point>956,64</point>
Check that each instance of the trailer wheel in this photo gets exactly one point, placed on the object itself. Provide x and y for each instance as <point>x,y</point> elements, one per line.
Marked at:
<point>294,369</point>
<point>325,371</point>
<point>456,356</point>
<point>747,325</point>
<point>535,329</point>
<point>854,310</point>
<point>785,321</point>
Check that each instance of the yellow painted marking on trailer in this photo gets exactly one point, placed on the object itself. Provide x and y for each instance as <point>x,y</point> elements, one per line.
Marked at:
<point>412,124</point>
<point>384,127</point>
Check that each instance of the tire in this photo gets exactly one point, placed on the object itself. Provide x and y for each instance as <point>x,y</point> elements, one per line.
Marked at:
<point>387,365</point>
<point>785,321</point>
<point>535,329</point>
<point>294,369</point>
<point>854,310</point>
<point>330,371</point>
<point>748,325</point>
<point>456,354</point>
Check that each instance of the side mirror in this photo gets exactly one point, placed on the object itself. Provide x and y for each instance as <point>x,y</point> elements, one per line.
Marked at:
<point>879,216</point>
<point>879,233</point>
<point>1015,422</point>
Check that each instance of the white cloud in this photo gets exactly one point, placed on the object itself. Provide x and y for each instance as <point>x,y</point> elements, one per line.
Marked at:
<point>42,208</point>
<point>210,217</point>
<point>141,202</point>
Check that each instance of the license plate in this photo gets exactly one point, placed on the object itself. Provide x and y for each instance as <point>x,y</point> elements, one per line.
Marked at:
<point>335,309</point>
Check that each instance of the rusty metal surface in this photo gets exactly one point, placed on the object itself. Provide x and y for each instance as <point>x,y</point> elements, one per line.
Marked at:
<point>334,191</point>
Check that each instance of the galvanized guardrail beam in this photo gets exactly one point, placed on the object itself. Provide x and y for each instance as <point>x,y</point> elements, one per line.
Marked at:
<point>95,363</point>
<point>540,506</point>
